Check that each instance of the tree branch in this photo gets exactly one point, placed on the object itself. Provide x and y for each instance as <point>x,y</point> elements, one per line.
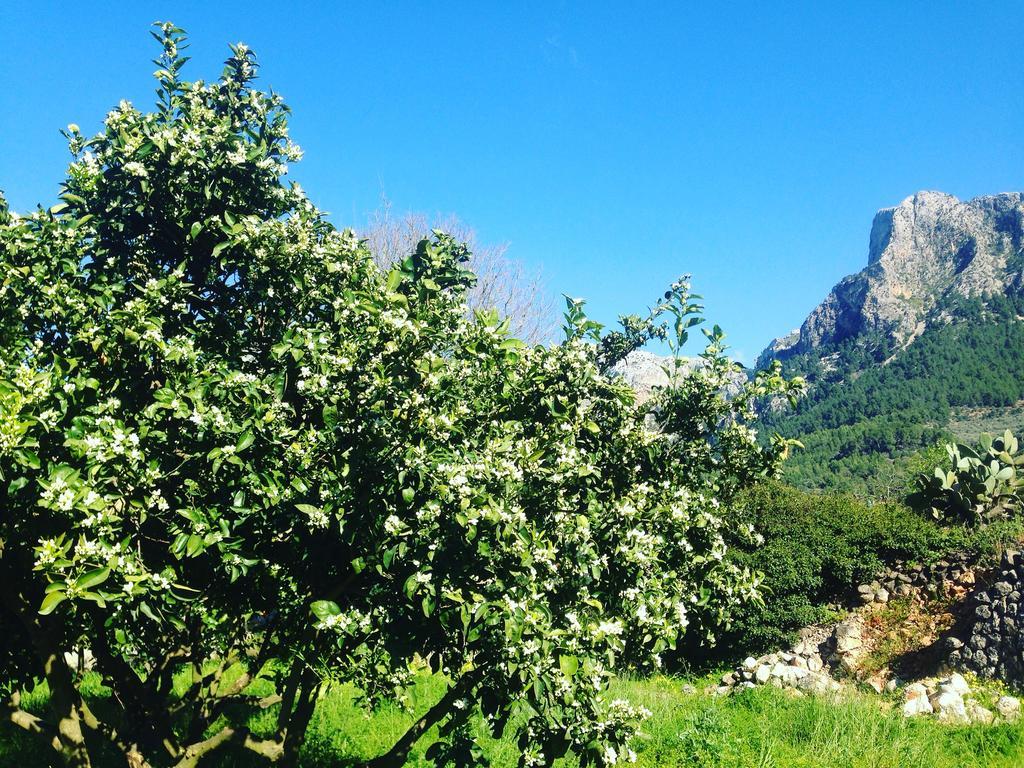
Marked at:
<point>397,756</point>
<point>267,748</point>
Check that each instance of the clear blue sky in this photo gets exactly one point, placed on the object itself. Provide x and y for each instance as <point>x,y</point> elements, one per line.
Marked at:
<point>614,145</point>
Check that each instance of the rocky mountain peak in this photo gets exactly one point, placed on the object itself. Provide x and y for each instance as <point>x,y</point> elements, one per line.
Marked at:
<point>644,371</point>
<point>929,247</point>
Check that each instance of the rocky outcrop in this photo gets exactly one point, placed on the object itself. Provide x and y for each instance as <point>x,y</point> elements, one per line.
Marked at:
<point>929,247</point>
<point>644,371</point>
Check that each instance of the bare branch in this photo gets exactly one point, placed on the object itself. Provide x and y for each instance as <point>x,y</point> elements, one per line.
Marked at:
<point>503,283</point>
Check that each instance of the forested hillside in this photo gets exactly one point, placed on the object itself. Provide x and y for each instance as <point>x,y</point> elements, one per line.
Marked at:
<point>867,410</point>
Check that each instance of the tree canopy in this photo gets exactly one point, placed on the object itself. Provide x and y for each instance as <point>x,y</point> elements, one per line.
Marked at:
<point>234,449</point>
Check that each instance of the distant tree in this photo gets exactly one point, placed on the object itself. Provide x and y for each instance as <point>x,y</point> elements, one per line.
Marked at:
<point>503,283</point>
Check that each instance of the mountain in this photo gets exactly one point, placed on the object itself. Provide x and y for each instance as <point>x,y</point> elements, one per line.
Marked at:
<point>925,342</point>
<point>928,248</point>
<point>644,371</point>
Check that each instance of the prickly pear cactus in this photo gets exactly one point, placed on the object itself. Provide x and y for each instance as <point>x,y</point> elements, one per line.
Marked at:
<point>978,485</point>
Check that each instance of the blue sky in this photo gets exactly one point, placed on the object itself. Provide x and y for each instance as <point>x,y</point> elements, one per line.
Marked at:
<point>615,146</point>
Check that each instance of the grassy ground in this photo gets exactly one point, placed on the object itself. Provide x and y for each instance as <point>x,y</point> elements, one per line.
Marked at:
<point>757,728</point>
<point>969,423</point>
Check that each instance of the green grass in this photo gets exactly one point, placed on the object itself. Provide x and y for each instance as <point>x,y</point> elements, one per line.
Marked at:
<point>759,728</point>
<point>769,727</point>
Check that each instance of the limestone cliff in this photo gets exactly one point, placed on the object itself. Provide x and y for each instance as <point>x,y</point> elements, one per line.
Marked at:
<point>928,248</point>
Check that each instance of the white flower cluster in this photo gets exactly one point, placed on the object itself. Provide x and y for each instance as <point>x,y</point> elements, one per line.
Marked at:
<point>347,623</point>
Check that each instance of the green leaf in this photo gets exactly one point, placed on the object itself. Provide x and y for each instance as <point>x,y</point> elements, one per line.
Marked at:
<point>93,578</point>
<point>29,459</point>
<point>50,602</point>
<point>195,545</point>
<point>324,608</point>
<point>330,416</point>
<point>148,612</point>
<point>568,665</point>
<point>244,441</point>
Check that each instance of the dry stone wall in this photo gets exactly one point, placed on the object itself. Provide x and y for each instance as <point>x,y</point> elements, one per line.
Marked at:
<point>993,644</point>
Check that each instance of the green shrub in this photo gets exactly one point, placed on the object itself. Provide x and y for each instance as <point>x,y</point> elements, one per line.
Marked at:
<point>226,434</point>
<point>816,548</point>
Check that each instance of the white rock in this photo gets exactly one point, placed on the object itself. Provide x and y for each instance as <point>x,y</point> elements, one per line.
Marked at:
<point>956,684</point>
<point>749,663</point>
<point>977,713</point>
<point>793,674</point>
<point>848,636</point>
<point>816,683</point>
<point>814,664</point>
<point>949,707</point>
<point>1008,707</point>
<point>916,702</point>
<point>762,674</point>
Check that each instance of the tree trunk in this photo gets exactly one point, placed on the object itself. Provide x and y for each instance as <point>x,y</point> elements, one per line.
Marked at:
<point>294,732</point>
<point>43,631</point>
<point>397,756</point>
<point>64,701</point>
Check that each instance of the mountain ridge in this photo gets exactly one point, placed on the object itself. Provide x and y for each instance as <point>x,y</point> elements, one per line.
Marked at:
<point>929,247</point>
<point>900,355</point>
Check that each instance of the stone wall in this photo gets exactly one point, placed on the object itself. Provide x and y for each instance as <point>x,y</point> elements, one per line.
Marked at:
<point>992,643</point>
<point>949,577</point>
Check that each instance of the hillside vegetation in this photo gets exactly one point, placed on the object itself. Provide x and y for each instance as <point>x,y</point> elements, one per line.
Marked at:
<point>868,410</point>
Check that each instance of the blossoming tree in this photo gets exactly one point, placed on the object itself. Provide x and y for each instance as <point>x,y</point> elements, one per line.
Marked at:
<point>233,450</point>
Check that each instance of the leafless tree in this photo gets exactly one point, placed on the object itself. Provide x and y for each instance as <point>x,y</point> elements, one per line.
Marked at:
<point>503,283</point>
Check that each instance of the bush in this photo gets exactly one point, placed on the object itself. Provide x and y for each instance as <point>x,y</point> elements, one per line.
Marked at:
<point>816,548</point>
<point>237,453</point>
